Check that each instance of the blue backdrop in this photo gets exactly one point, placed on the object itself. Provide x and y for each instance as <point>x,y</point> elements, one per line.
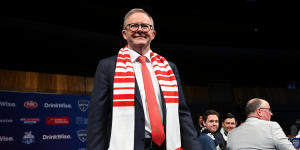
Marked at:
<point>38,121</point>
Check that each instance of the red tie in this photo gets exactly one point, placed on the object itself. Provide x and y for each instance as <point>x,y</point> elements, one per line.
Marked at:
<point>158,135</point>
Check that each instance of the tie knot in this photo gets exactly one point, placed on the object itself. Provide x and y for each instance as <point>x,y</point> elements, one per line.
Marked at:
<point>142,59</point>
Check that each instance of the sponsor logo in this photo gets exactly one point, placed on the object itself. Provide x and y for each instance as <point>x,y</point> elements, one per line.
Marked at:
<point>6,120</point>
<point>7,104</point>
<point>83,105</point>
<point>28,138</point>
<point>30,104</point>
<point>29,120</point>
<point>6,139</point>
<point>81,148</point>
<point>57,105</point>
<point>296,142</point>
<point>57,120</point>
<point>81,121</point>
<point>57,137</point>
<point>82,134</point>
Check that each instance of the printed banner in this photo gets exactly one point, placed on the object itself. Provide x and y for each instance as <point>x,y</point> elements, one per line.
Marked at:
<point>38,121</point>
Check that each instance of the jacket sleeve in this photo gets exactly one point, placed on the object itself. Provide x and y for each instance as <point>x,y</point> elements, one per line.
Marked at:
<point>99,116</point>
<point>280,139</point>
<point>187,130</point>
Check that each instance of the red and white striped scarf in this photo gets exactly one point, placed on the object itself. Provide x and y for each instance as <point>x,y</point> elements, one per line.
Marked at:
<point>122,134</point>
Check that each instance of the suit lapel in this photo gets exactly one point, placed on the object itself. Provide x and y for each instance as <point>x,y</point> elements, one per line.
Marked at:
<point>137,95</point>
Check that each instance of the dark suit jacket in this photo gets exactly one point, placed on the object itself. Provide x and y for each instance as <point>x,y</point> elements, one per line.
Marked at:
<point>206,142</point>
<point>100,111</point>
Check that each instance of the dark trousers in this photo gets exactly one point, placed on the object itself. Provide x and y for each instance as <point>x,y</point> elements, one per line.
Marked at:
<point>150,145</point>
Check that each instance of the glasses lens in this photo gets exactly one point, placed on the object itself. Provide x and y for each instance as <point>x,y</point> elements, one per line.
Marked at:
<point>145,27</point>
<point>135,27</point>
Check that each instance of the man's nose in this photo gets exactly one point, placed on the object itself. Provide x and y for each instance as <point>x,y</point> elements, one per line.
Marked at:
<point>140,28</point>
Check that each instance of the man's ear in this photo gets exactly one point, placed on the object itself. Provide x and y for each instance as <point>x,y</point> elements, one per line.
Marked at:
<point>204,123</point>
<point>153,34</point>
<point>124,33</point>
<point>259,113</point>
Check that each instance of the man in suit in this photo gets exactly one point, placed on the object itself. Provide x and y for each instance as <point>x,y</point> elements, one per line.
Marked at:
<point>229,123</point>
<point>211,126</point>
<point>206,142</point>
<point>258,132</point>
<point>122,114</point>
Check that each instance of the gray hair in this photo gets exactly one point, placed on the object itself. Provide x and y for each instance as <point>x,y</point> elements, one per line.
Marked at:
<point>137,10</point>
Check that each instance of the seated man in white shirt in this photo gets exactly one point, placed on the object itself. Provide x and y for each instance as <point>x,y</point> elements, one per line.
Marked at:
<point>228,124</point>
<point>258,132</point>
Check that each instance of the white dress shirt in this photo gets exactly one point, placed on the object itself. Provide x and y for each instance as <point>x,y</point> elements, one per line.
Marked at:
<point>139,78</point>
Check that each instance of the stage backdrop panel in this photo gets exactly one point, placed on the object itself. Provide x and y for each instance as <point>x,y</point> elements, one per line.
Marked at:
<point>38,121</point>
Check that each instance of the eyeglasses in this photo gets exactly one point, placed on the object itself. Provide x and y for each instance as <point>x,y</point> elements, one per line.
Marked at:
<point>270,110</point>
<point>134,27</point>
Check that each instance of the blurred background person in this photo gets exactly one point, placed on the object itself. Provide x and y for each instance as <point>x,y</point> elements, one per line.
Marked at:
<point>229,123</point>
<point>258,132</point>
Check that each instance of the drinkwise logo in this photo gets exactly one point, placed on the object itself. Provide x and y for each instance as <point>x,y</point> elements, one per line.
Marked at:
<point>57,137</point>
<point>57,105</point>
<point>6,139</point>
<point>7,104</point>
<point>6,121</point>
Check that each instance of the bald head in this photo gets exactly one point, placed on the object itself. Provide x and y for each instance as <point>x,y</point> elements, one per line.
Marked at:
<point>258,108</point>
<point>252,105</point>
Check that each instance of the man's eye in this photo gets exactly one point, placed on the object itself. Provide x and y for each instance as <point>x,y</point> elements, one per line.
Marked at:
<point>135,25</point>
<point>144,26</point>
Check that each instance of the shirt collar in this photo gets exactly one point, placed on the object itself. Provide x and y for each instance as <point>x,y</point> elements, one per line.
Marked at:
<point>135,55</point>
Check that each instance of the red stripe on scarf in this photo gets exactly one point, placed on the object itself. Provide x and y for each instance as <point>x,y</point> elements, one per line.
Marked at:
<point>170,93</point>
<point>171,100</point>
<point>124,74</point>
<point>124,67</point>
<point>123,103</point>
<point>168,85</point>
<point>124,80</point>
<point>169,72</point>
<point>124,55</point>
<point>124,60</point>
<point>157,57</point>
<point>162,66</point>
<point>122,88</point>
<point>171,78</point>
<point>123,96</point>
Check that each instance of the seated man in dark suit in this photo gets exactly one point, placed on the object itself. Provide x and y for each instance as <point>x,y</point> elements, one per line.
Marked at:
<point>211,125</point>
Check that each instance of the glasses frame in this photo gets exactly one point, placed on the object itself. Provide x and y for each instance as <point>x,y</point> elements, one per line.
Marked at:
<point>269,109</point>
<point>140,25</point>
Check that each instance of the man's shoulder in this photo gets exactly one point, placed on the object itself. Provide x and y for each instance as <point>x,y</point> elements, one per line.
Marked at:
<point>107,60</point>
<point>267,123</point>
<point>204,136</point>
<point>110,58</point>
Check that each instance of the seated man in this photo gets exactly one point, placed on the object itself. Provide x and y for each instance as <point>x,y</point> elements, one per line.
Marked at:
<point>228,124</point>
<point>258,132</point>
<point>211,125</point>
